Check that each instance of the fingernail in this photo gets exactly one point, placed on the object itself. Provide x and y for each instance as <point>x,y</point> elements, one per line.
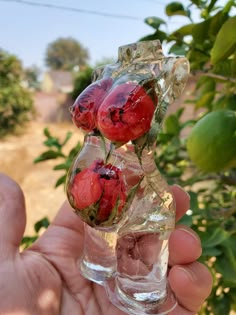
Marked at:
<point>188,273</point>
<point>181,188</point>
<point>191,233</point>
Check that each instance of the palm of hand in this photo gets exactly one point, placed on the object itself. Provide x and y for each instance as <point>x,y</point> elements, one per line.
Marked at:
<point>49,280</point>
<point>44,279</point>
<point>50,293</point>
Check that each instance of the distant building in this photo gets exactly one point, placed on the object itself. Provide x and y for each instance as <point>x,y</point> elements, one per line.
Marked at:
<point>57,81</point>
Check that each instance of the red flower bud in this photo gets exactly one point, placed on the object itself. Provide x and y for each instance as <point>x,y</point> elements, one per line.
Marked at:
<point>126,113</point>
<point>98,194</point>
<point>85,107</point>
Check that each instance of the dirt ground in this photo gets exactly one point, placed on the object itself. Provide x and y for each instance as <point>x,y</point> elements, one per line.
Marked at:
<point>17,154</point>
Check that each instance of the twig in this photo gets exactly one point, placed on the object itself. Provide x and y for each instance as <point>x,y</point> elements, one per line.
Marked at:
<point>217,76</point>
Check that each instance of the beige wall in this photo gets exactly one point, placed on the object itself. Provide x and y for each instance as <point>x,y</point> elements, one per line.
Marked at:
<point>47,85</point>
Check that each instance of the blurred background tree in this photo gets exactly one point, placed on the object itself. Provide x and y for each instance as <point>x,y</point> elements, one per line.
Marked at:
<point>32,77</point>
<point>84,77</point>
<point>16,105</point>
<point>81,81</point>
<point>66,54</point>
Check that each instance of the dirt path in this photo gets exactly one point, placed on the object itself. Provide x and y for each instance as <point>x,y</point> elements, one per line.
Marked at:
<point>37,180</point>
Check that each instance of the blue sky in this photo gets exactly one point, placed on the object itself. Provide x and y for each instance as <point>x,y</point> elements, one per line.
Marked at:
<point>27,30</point>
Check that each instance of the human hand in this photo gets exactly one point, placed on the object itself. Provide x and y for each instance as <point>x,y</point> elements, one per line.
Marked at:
<point>45,279</point>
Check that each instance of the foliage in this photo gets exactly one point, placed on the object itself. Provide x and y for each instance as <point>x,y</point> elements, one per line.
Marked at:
<point>212,214</point>
<point>55,151</point>
<point>16,104</point>
<point>31,76</point>
<point>81,81</point>
<point>38,226</point>
<point>104,61</point>
<point>66,54</point>
<point>209,44</point>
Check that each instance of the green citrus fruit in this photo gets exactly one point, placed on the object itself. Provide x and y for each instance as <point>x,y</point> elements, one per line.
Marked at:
<point>211,144</point>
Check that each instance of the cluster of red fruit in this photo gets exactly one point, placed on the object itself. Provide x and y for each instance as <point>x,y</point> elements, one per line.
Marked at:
<point>99,193</point>
<point>120,113</point>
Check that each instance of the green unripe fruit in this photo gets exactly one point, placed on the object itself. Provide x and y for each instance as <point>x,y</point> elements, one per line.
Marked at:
<point>211,144</point>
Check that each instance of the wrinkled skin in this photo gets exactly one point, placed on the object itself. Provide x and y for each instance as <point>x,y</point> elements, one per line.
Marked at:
<point>44,279</point>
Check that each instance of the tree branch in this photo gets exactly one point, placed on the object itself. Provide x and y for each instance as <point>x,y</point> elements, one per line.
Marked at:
<point>227,213</point>
<point>217,76</point>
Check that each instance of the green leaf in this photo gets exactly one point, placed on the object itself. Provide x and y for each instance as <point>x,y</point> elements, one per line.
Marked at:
<point>200,32</point>
<point>197,2</point>
<point>193,200</point>
<point>149,37</point>
<point>186,220</point>
<point>164,137</point>
<point>48,155</point>
<point>67,138</point>
<point>179,50</point>
<point>205,84</point>
<point>225,42</point>
<point>227,270</point>
<point>74,151</point>
<point>233,66</point>
<point>52,142</point>
<point>64,166</point>
<point>28,240</point>
<point>197,59</point>
<point>206,92</point>
<point>228,6</point>
<point>188,123</point>
<point>225,68</point>
<point>205,100</point>
<point>157,35</point>
<point>61,180</point>
<point>43,223</point>
<point>229,244</point>
<point>211,252</point>
<point>176,8</point>
<point>232,294</point>
<point>47,132</point>
<point>154,22</point>
<point>221,305</point>
<point>230,102</point>
<point>215,238</point>
<point>211,5</point>
<point>216,23</point>
<point>174,171</point>
<point>182,31</point>
<point>179,112</point>
<point>226,102</point>
<point>172,125</point>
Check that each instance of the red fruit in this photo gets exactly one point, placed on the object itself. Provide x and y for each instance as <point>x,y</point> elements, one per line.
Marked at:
<point>126,113</point>
<point>85,107</point>
<point>99,193</point>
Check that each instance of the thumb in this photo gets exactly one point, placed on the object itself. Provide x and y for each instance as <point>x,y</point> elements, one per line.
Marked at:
<point>12,216</point>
